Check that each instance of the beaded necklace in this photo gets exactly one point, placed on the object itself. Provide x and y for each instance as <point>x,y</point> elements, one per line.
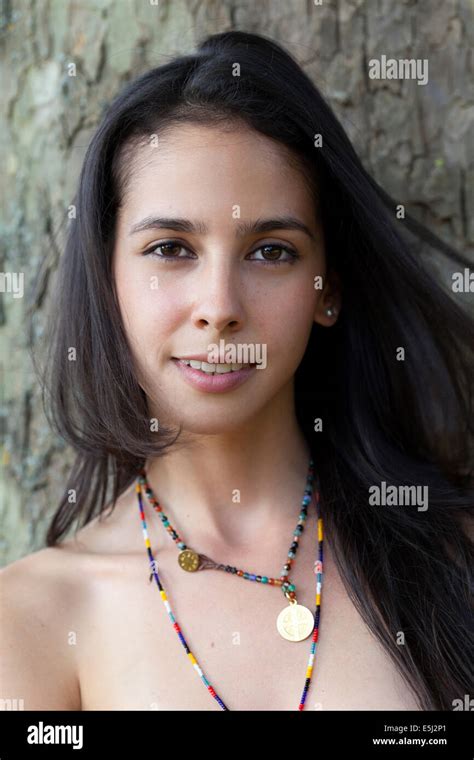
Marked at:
<point>294,623</point>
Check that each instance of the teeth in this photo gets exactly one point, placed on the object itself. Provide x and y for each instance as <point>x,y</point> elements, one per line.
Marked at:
<point>211,369</point>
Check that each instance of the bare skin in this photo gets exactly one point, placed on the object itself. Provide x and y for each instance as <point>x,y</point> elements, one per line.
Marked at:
<point>83,628</point>
<point>92,633</point>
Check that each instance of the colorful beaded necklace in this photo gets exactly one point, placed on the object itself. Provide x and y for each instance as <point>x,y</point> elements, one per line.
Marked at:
<point>294,623</point>
<point>191,561</point>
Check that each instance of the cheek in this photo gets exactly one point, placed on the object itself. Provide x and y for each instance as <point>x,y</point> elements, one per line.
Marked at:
<point>148,310</point>
<point>287,324</point>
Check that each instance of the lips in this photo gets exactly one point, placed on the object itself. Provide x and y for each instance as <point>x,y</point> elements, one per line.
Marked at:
<point>215,382</point>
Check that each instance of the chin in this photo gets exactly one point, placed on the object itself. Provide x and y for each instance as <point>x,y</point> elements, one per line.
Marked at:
<point>215,423</point>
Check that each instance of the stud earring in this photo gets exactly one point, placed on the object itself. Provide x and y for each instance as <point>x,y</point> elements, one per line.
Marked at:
<point>331,311</point>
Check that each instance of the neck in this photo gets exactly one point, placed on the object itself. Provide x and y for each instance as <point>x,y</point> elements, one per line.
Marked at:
<point>231,490</point>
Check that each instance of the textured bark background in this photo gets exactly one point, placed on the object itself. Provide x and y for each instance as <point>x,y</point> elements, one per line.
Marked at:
<point>417,140</point>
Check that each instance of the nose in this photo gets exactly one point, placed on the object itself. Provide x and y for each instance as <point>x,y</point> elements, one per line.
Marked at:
<point>218,291</point>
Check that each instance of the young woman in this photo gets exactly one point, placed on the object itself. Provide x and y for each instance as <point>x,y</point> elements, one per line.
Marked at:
<point>221,204</point>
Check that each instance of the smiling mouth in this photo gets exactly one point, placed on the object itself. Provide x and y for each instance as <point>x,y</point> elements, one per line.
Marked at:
<point>213,369</point>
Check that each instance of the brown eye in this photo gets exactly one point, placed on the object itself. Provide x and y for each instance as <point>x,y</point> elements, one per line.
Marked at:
<point>169,250</point>
<point>292,255</point>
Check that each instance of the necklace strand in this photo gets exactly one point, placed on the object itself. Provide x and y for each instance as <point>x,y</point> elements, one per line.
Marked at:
<point>200,561</point>
<point>318,570</point>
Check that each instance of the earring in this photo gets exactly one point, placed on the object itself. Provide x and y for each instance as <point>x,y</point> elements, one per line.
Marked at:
<point>331,311</point>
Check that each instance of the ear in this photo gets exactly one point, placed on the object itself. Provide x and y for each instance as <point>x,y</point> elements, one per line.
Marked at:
<point>329,302</point>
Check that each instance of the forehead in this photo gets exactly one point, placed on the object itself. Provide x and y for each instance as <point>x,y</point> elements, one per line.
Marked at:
<point>207,170</point>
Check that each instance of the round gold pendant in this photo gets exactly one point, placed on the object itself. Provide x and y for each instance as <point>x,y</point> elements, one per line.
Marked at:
<point>188,560</point>
<point>295,622</point>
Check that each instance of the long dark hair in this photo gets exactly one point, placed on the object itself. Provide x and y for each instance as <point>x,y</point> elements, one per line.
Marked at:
<point>405,423</point>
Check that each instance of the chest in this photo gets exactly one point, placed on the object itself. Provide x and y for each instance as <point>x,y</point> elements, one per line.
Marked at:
<point>130,656</point>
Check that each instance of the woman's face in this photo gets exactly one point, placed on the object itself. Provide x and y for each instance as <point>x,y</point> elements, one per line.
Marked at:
<point>211,285</point>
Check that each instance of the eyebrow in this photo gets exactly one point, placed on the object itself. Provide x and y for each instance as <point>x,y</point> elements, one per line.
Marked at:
<point>242,228</point>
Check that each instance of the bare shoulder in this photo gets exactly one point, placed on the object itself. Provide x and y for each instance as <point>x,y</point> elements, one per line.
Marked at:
<point>46,608</point>
<point>37,663</point>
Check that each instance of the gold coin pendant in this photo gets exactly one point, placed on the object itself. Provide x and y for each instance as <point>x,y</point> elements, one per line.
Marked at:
<point>295,622</point>
<point>188,560</point>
